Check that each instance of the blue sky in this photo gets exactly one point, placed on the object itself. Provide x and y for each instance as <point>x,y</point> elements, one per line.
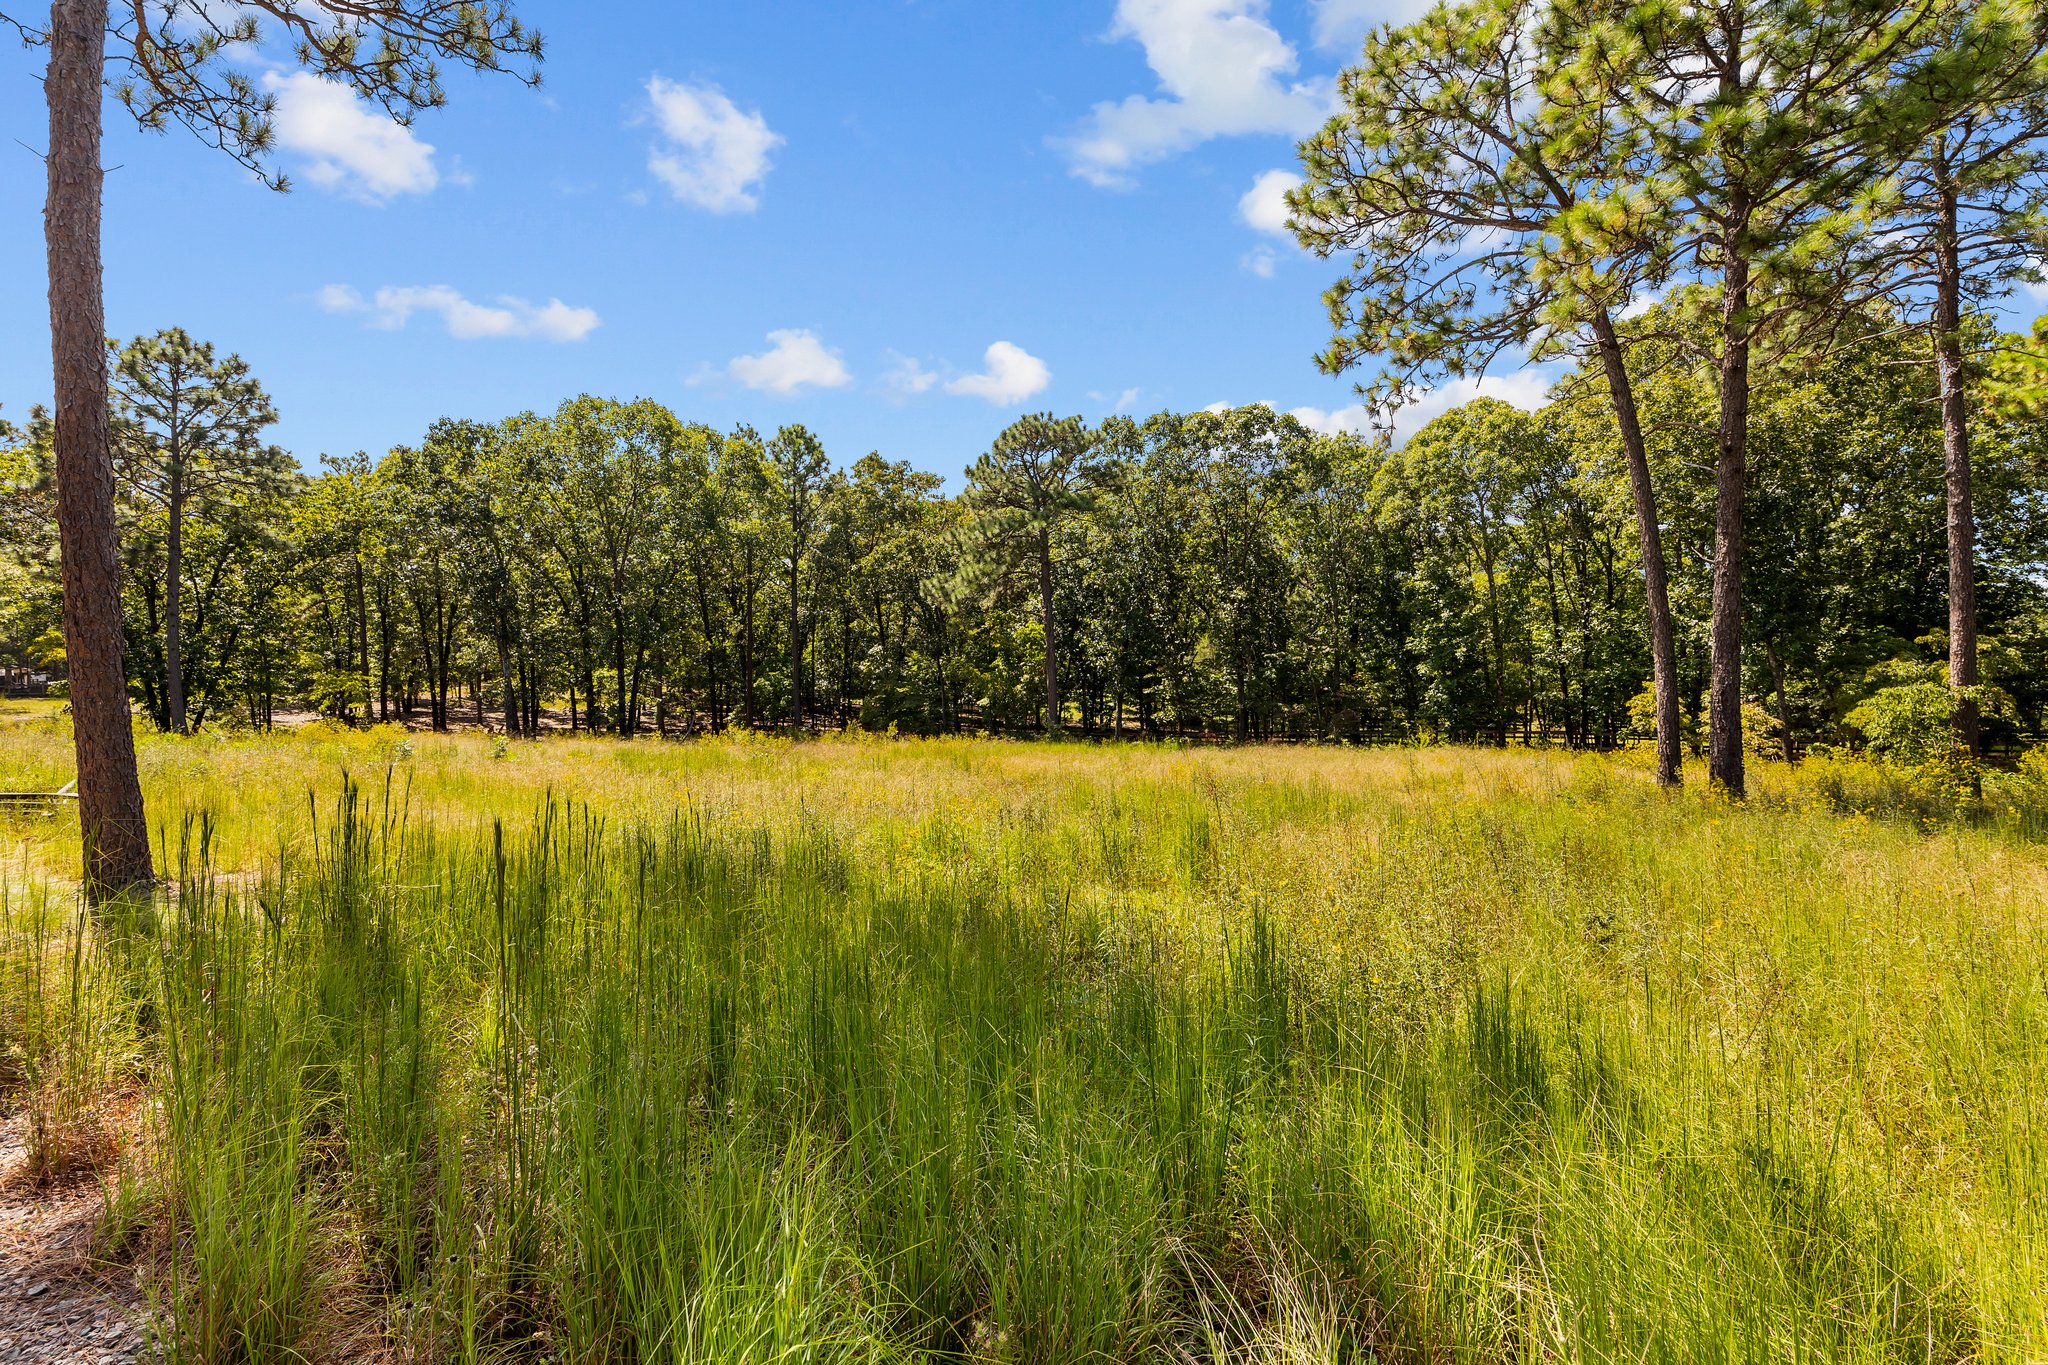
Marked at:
<point>900,222</point>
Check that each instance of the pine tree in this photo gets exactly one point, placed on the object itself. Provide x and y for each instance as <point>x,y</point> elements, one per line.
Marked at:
<point>1040,470</point>
<point>796,467</point>
<point>1460,185</point>
<point>1753,129</point>
<point>188,430</point>
<point>1964,218</point>
<point>170,64</point>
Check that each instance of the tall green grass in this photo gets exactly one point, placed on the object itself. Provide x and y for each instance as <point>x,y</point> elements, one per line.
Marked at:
<point>1119,1057</point>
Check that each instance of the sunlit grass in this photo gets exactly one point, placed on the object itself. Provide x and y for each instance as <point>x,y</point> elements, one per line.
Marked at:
<point>744,1050</point>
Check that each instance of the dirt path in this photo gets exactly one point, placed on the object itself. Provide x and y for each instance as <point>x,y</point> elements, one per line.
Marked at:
<point>55,1305</point>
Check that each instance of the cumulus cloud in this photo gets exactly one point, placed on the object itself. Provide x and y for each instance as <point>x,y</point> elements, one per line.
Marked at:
<point>1264,205</point>
<point>1645,300</point>
<point>907,376</point>
<point>714,155</point>
<point>1337,421</point>
<point>394,305</point>
<point>795,360</point>
<point>1011,375</point>
<point>1525,389</point>
<point>350,146</point>
<point>1482,241</point>
<point>340,298</point>
<point>1261,261</point>
<point>1341,25</point>
<point>1223,70</point>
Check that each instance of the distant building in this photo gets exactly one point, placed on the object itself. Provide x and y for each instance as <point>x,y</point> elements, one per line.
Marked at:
<point>23,682</point>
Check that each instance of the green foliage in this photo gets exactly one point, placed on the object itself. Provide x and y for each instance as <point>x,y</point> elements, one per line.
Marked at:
<point>1911,722</point>
<point>613,568</point>
<point>203,499</point>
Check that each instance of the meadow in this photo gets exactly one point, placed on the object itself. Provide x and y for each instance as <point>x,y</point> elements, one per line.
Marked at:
<point>454,1049</point>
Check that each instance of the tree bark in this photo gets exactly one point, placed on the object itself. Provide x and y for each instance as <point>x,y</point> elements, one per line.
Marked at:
<point>1731,458</point>
<point>512,717</point>
<point>1656,577</point>
<point>1787,746</point>
<point>1955,446</point>
<point>1045,617</point>
<point>174,604</point>
<point>747,643</point>
<point>111,819</point>
<point>622,723</point>
<point>362,629</point>
<point>796,645</point>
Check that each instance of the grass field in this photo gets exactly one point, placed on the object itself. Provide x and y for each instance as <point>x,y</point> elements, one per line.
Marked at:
<point>744,1050</point>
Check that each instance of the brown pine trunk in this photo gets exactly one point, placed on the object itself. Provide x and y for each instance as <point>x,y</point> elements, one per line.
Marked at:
<point>622,723</point>
<point>512,719</point>
<point>1955,445</point>
<point>1045,617</point>
<point>1787,745</point>
<point>1731,458</point>
<point>1656,578</point>
<point>747,643</point>
<point>174,605</point>
<point>796,650</point>
<point>115,830</point>
<point>362,631</point>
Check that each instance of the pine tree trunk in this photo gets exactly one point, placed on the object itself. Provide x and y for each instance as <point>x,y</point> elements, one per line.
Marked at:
<point>1045,617</point>
<point>512,725</point>
<point>622,723</point>
<point>362,631</point>
<point>174,607</point>
<point>1656,577</point>
<point>111,818</point>
<point>1788,747</point>
<point>796,649</point>
<point>1731,458</point>
<point>1955,445</point>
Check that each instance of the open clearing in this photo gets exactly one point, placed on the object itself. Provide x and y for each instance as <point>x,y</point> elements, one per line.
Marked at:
<point>738,1050</point>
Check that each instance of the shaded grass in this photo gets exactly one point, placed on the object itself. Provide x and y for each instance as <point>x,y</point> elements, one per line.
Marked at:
<point>745,1051</point>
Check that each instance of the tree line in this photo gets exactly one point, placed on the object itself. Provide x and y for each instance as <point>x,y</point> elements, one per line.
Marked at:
<point>614,568</point>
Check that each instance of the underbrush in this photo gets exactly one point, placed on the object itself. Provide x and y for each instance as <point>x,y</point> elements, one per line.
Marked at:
<point>1939,790</point>
<point>1225,1056</point>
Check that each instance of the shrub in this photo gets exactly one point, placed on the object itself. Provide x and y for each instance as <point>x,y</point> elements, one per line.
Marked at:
<point>1910,723</point>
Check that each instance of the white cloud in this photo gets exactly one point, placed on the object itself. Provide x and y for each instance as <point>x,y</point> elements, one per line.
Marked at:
<point>715,155</point>
<point>1526,389</point>
<point>1342,24</point>
<point>1482,241</point>
<point>1125,401</point>
<point>795,359</point>
<point>340,298</point>
<point>1012,375</point>
<point>1260,261</point>
<point>1222,69</point>
<point>1643,301</point>
<point>1264,205</point>
<point>393,306</point>
<point>906,376</point>
<point>1356,418</point>
<point>352,146</point>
